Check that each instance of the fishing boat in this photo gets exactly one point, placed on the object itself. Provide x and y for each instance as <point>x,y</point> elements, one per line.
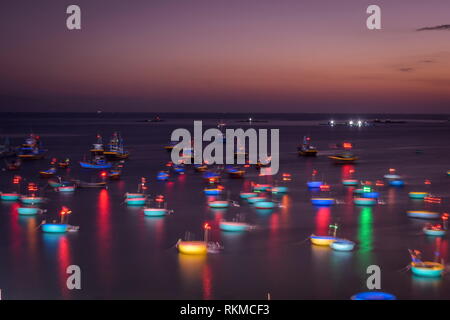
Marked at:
<point>265,205</point>
<point>29,211</point>
<point>162,176</point>
<point>253,200</point>
<point>64,164</point>
<point>155,212</point>
<point>213,191</point>
<point>342,245</point>
<point>115,149</point>
<point>48,173</point>
<point>343,158</point>
<point>98,162</point>
<point>423,214</point>
<point>219,204</point>
<point>135,201</point>
<point>418,195</point>
<point>246,195</point>
<point>323,202</point>
<point>84,184</point>
<point>97,148</point>
<point>350,182</point>
<point>31,149</point>
<point>314,184</point>
<point>373,295</point>
<point>12,196</point>
<point>367,202</point>
<point>322,240</point>
<point>421,268</point>
<point>437,230</point>
<point>233,226</point>
<point>306,149</point>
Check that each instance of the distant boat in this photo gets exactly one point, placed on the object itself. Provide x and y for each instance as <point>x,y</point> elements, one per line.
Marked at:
<point>115,149</point>
<point>342,158</point>
<point>96,163</point>
<point>306,149</point>
<point>31,149</point>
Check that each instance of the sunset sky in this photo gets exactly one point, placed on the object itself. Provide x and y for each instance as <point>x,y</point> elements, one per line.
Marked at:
<point>225,56</point>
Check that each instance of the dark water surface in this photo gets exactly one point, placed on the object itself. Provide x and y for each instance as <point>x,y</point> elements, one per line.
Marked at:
<point>124,255</point>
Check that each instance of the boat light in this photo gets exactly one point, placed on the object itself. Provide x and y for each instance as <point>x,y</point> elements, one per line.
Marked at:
<point>347,145</point>
<point>17,179</point>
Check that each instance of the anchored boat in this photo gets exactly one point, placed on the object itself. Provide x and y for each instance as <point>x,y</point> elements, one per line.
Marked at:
<point>323,202</point>
<point>31,149</point>
<point>306,149</point>
<point>425,268</point>
<point>422,214</point>
<point>115,149</point>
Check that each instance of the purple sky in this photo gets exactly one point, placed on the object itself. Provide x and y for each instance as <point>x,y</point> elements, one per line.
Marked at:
<point>225,56</point>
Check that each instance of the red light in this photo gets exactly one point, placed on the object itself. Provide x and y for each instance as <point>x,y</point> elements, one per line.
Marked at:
<point>103,174</point>
<point>325,187</point>
<point>206,226</point>
<point>347,145</point>
<point>427,181</point>
<point>391,170</point>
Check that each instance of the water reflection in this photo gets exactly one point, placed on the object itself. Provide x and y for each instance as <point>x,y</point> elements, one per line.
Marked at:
<point>365,237</point>
<point>323,217</point>
<point>196,275</point>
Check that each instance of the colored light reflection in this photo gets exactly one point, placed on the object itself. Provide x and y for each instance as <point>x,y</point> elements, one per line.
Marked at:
<point>104,236</point>
<point>323,216</point>
<point>196,276</point>
<point>347,171</point>
<point>365,236</point>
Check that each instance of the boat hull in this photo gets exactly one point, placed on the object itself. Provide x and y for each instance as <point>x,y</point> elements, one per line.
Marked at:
<point>31,200</point>
<point>368,202</point>
<point>322,240</point>
<point>155,212</point>
<point>54,228</point>
<point>219,204</point>
<point>434,233</point>
<point>323,202</point>
<point>135,201</point>
<point>418,195</point>
<point>423,214</point>
<point>192,247</point>
<point>25,211</point>
<point>10,196</point>
<point>342,245</point>
<point>427,269</point>
<point>87,165</point>
<point>233,226</point>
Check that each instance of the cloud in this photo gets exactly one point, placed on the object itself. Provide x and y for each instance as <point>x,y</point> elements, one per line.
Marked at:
<point>406,69</point>
<point>441,27</point>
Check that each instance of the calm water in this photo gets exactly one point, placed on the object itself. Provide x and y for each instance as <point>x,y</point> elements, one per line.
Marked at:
<point>124,255</point>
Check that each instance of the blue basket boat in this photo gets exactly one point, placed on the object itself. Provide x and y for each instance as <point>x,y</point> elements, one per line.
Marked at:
<point>219,204</point>
<point>31,200</point>
<point>212,191</point>
<point>256,199</point>
<point>135,201</point>
<point>265,205</point>
<point>350,182</point>
<point>162,176</point>
<point>29,211</point>
<point>54,227</point>
<point>155,212</point>
<point>10,196</point>
<point>233,226</point>
<point>314,184</point>
<point>365,202</point>
<point>371,195</point>
<point>373,295</point>
<point>423,214</point>
<point>342,245</point>
<point>323,202</point>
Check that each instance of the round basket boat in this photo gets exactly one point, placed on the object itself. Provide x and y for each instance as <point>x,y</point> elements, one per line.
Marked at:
<point>233,226</point>
<point>10,196</point>
<point>54,227</point>
<point>434,232</point>
<point>129,195</point>
<point>350,182</point>
<point>423,214</point>
<point>135,201</point>
<point>261,187</point>
<point>396,183</point>
<point>342,245</point>
<point>31,200</point>
<point>192,247</point>
<point>28,211</point>
<point>322,240</point>
<point>265,205</point>
<point>66,189</point>
<point>364,202</point>
<point>323,202</point>
<point>314,184</point>
<point>373,295</point>
<point>246,195</point>
<point>155,212</point>
<point>219,204</point>
<point>279,189</point>
<point>427,269</point>
<point>162,176</point>
<point>418,195</point>
<point>371,195</point>
<point>212,191</point>
<point>256,199</point>
<point>358,191</point>
<point>391,176</point>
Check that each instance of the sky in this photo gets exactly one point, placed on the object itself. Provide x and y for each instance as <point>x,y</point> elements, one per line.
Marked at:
<point>225,56</point>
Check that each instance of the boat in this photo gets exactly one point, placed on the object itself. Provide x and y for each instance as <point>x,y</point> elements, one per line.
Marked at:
<point>13,196</point>
<point>64,164</point>
<point>219,204</point>
<point>350,182</point>
<point>429,269</point>
<point>246,195</point>
<point>115,149</point>
<point>192,247</point>
<point>437,230</point>
<point>423,214</point>
<point>323,202</point>
<point>213,191</point>
<point>54,227</point>
<point>232,226</point>
<point>322,240</point>
<point>314,184</point>
<point>253,200</point>
<point>84,184</point>
<point>342,245</point>
<point>235,173</point>
<point>97,163</point>
<point>368,202</point>
<point>29,211</point>
<point>261,187</point>
<point>279,189</point>
<point>31,149</point>
<point>66,188</point>
<point>265,205</point>
<point>31,199</point>
<point>343,158</point>
<point>155,212</point>
<point>97,147</point>
<point>136,201</point>
<point>162,176</point>
<point>396,183</point>
<point>306,149</point>
<point>47,173</point>
<point>371,195</point>
<point>373,295</point>
<point>114,174</point>
<point>418,195</point>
